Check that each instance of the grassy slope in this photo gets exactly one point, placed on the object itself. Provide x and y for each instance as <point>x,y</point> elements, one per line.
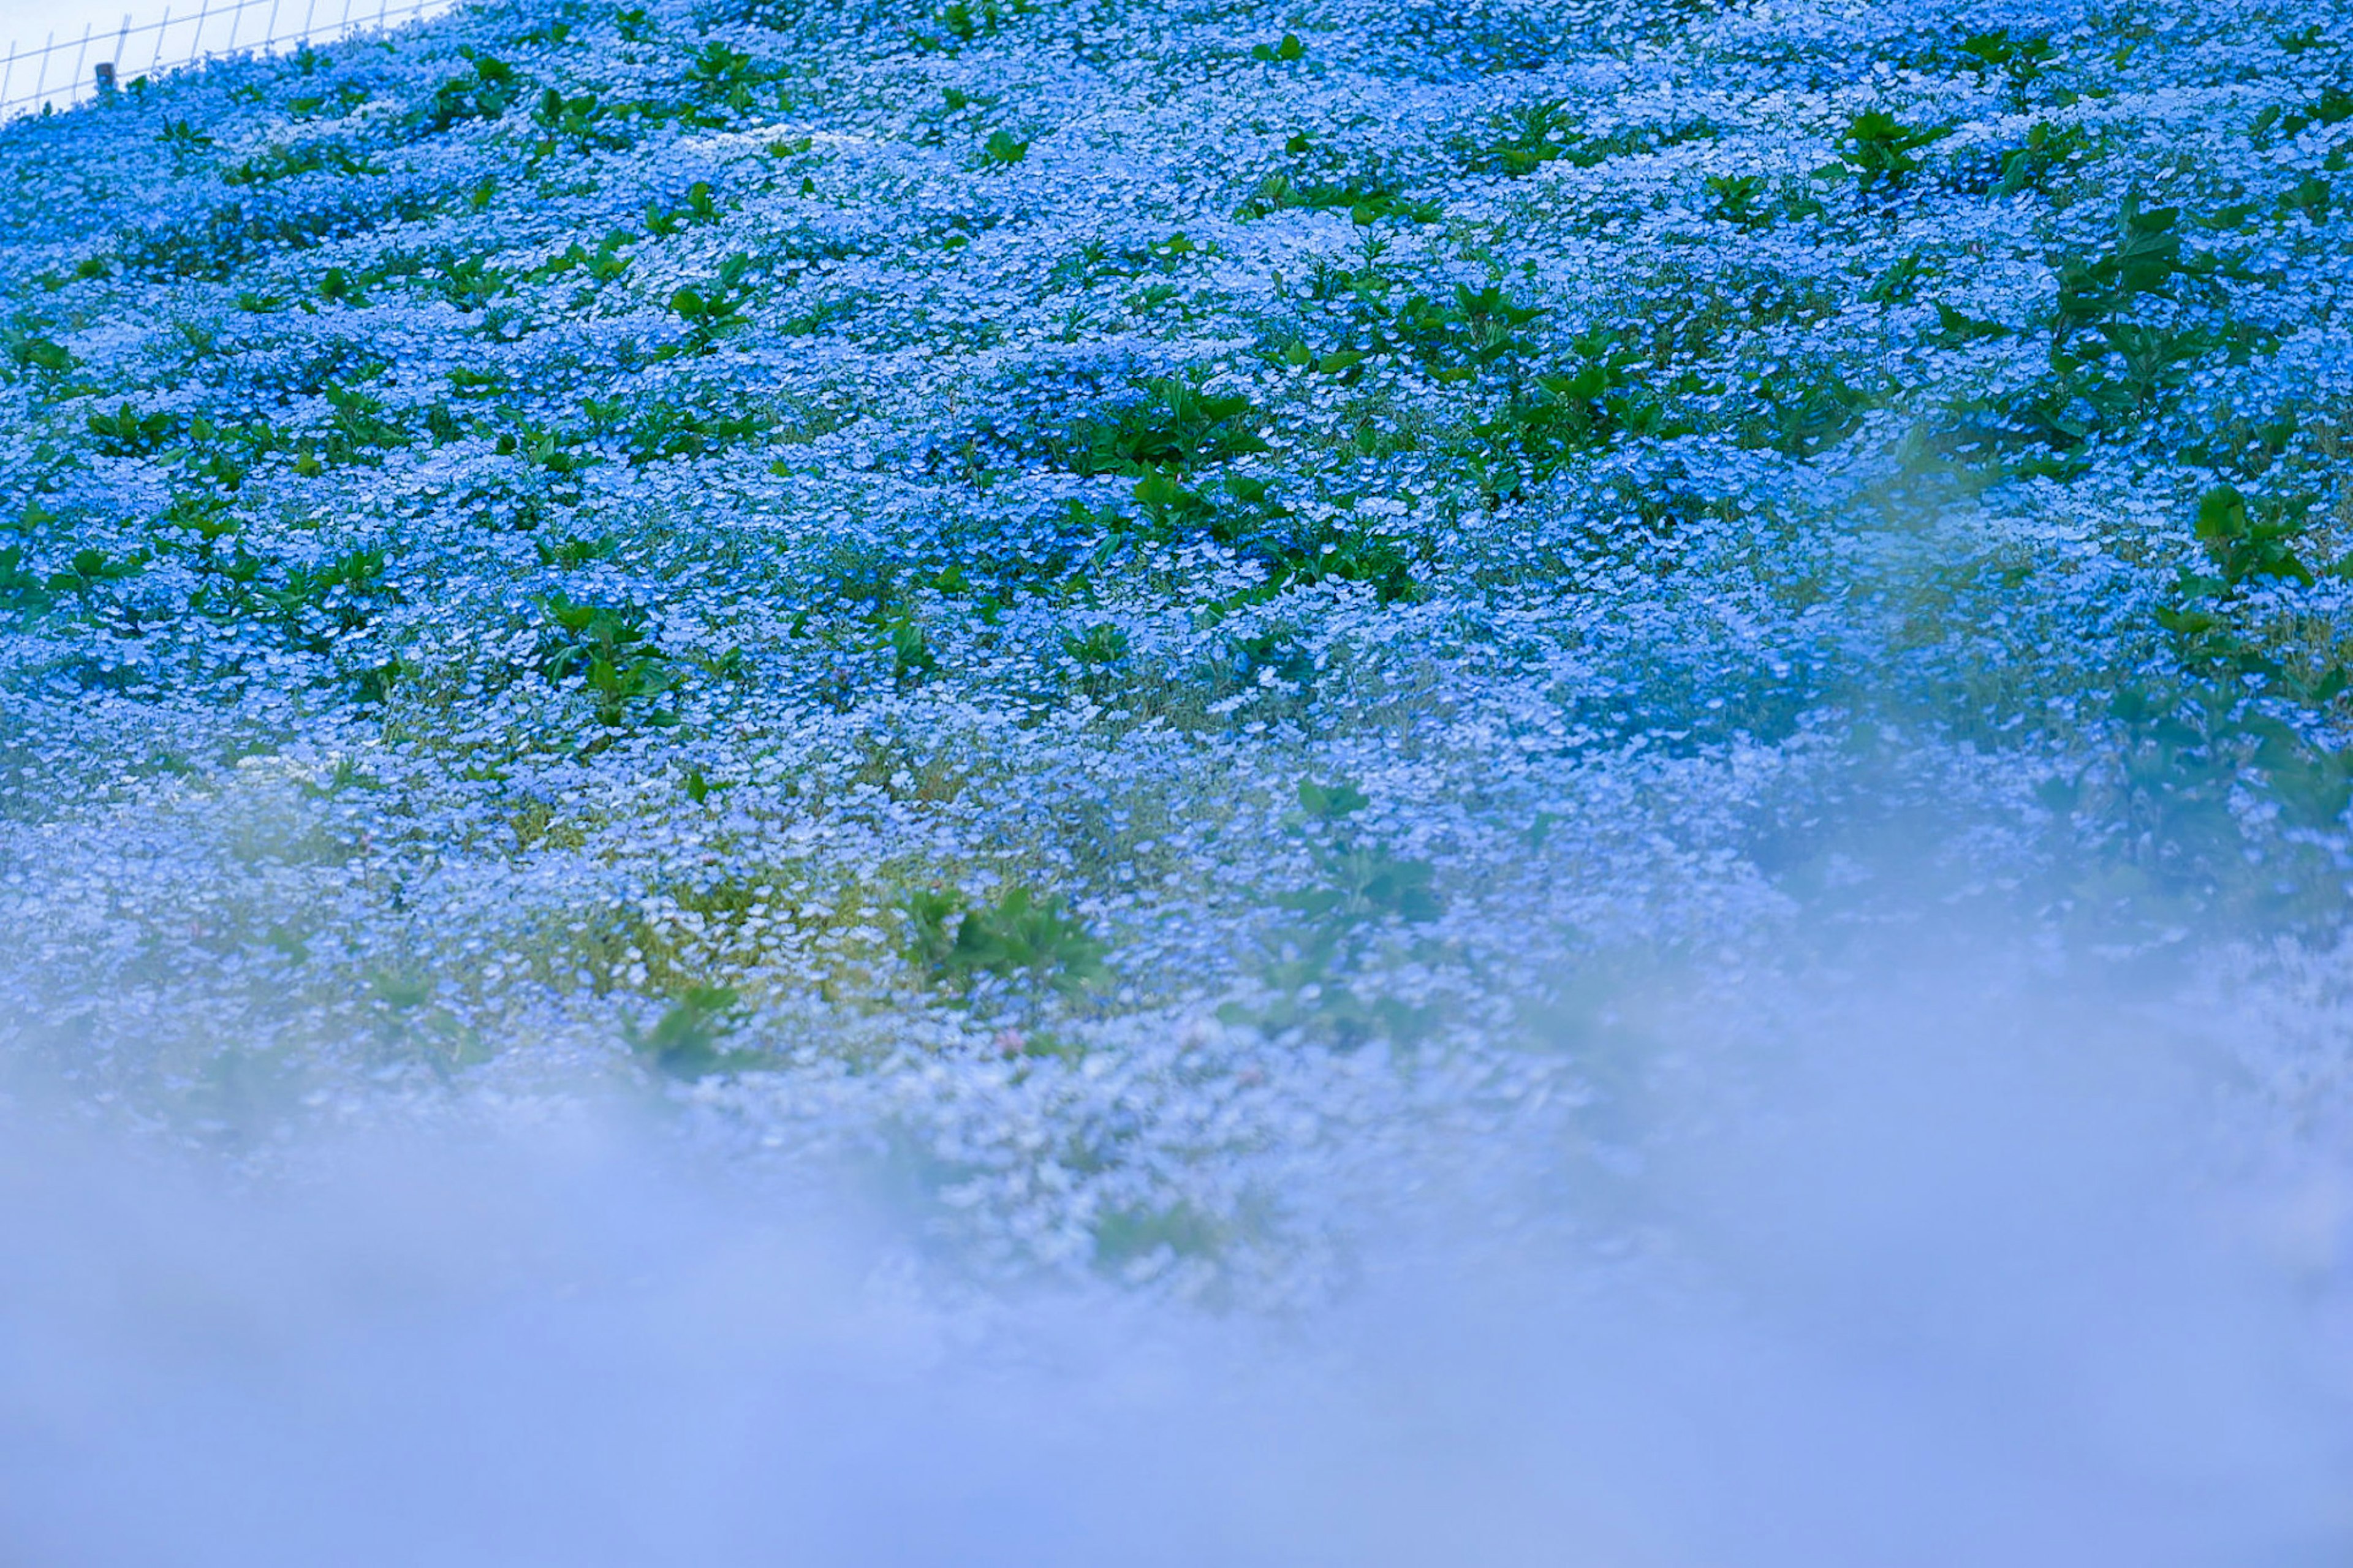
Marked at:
<point>1132,599</point>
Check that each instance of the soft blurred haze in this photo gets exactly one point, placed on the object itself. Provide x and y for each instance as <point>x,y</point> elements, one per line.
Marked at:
<point>1952,1295</point>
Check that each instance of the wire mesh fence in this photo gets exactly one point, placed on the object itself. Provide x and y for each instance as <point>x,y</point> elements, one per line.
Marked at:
<point>59,73</point>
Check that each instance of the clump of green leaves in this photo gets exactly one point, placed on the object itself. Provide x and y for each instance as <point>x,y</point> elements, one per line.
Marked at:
<point>1556,416</point>
<point>2050,147</point>
<point>685,1041</point>
<point>1131,1236</point>
<point>318,607</point>
<point>700,207</point>
<point>1367,198</point>
<point>727,81</point>
<point>713,311</point>
<point>1878,150</point>
<point>2243,722</point>
<point>28,351</point>
<point>1362,890</point>
<point>484,93</point>
<point>1173,427</point>
<point>599,266</point>
<point>127,433</point>
<point>303,158</point>
<point>23,591</point>
<point>609,650</point>
<point>2021,60</point>
<point>582,122</point>
<point>1360,881</point>
<point>1021,937</point>
<point>1525,139</point>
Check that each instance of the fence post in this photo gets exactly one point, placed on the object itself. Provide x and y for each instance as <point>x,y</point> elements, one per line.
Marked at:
<point>161,28</point>
<point>104,75</point>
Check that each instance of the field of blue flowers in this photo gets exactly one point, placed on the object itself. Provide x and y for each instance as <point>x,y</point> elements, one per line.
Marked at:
<point>1168,620</point>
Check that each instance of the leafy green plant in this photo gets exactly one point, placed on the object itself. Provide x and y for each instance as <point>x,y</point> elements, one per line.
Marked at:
<point>608,649</point>
<point>2332,107</point>
<point>469,282</point>
<point>575,551</point>
<point>1003,149</point>
<point>2240,721</point>
<point>1019,937</point>
<point>685,1041</point>
<point>1361,890</point>
<point>303,158</point>
<point>716,309</point>
<point>700,207</point>
<point>1367,198</point>
<point>1360,882</point>
<point>1099,644</point>
<point>28,351</point>
<point>358,429</point>
<point>727,79</point>
<point>1529,137</point>
<point>126,433</point>
<point>553,450</point>
<point>318,607</point>
<point>2021,60</point>
<point>88,570</point>
<point>22,589</point>
<point>913,660</point>
<point>1525,139</point>
<point>1802,413</point>
<point>1131,1236</point>
<point>1877,150</point>
<point>1733,200</point>
<point>657,432</point>
<point>1559,415</point>
<point>580,121</point>
<point>600,266</point>
<point>1175,427</point>
<point>2050,147</point>
<point>484,94</point>
<point>966,22</point>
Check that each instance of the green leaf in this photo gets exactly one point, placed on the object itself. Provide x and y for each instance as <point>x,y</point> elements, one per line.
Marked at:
<point>2221,515</point>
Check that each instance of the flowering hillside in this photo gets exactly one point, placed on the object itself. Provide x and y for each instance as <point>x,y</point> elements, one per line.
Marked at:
<point>1174,620</point>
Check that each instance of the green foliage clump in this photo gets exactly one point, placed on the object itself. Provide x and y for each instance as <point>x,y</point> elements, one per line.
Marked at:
<point>685,1041</point>
<point>1173,427</point>
<point>609,650</point>
<point>713,311</point>
<point>484,93</point>
<point>1878,150</point>
<point>1019,937</point>
<point>1362,891</point>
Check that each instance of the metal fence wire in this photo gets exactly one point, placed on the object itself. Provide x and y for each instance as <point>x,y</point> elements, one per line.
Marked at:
<point>60,73</point>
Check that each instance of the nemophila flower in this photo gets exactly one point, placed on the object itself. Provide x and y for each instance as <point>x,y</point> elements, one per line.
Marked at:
<point>1135,615</point>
